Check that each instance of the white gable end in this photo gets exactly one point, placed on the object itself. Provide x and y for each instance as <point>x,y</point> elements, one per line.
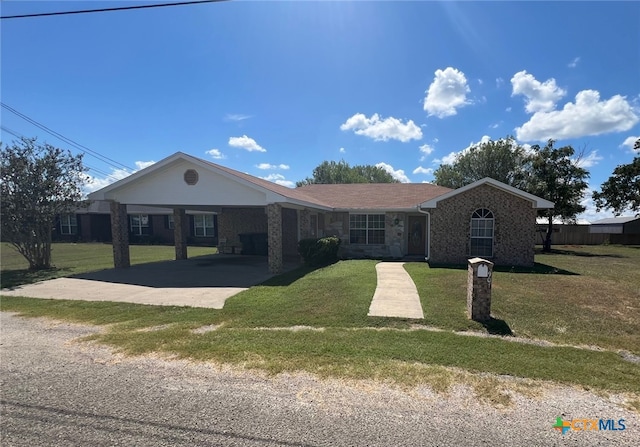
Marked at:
<point>167,186</point>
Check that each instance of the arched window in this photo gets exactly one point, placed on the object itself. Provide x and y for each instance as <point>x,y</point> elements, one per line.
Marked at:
<point>482,233</point>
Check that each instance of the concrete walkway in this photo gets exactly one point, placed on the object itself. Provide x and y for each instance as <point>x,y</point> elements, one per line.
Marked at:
<point>396,294</point>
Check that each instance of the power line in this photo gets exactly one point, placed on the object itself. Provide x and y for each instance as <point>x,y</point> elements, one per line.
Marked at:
<point>102,158</point>
<point>121,8</point>
<point>91,168</point>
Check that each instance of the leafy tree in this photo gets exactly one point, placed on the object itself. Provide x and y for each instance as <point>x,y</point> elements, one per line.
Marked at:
<point>622,190</point>
<point>37,182</point>
<point>554,175</point>
<point>502,160</point>
<point>342,172</point>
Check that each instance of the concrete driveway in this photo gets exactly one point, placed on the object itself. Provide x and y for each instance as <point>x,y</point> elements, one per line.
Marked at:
<point>204,281</point>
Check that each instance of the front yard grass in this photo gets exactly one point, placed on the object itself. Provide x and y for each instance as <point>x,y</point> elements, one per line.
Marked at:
<point>69,259</point>
<point>315,320</point>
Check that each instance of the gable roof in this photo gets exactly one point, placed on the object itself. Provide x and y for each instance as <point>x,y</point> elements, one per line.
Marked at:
<point>283,194</point>
<point>536,202</point>
<point>373,196</point>
<point>615,220</point>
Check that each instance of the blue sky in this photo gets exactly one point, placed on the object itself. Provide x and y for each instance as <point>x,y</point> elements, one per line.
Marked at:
<point>275,88</point>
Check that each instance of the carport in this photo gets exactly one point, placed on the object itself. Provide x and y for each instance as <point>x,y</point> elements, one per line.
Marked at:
<point>244,205</point>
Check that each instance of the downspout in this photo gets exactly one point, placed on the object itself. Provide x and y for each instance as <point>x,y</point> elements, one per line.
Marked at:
<point>426,258</point>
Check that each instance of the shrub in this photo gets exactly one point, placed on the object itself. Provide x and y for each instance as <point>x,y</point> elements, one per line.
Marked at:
<point>319,252</point>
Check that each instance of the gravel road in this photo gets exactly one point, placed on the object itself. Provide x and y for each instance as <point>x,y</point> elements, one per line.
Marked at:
<point>59,392</point>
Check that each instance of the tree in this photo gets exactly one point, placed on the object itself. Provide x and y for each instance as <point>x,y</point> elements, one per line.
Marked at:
<point>555,176</point>
<point>622,190</point>
<point>37,182</point>
<point>502,160</point>
<point>342,172</point>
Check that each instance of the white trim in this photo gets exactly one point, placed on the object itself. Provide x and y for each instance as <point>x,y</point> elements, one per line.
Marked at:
<point>536,202</point>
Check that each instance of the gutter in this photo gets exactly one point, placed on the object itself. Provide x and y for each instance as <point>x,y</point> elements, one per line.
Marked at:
<point>426,258</point>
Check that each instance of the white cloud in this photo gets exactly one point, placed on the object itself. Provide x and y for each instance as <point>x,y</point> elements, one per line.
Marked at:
<point>496,125</point>
<point>540,96</point>
<point>590,212</point>
<point>574,62</point>
<point>426,149</point>
<point>396,174</point>
<point>435,140</point>
<point>508,109</point>
<point>267,166</point>
<point>244,142</point>
<point>279,179</point>
<point>447,93</point>
<point>382,129</point>
<point>587,116</point>
<point>216,154</point>
<point>342,150</point>
<point>95,183</point>
<point>499,82</point>
<point>236,117</point>
<point>590,160</point>
<point>451,158</point>
<point>480,81</point>
<point>630,142</point>
<point>421,170</point>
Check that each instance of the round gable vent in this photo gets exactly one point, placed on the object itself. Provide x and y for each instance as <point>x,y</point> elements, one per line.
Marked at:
<point>191,177</point>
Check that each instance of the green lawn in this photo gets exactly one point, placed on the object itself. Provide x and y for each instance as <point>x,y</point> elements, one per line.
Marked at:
<point>69,259</point>
<point>580,296</point>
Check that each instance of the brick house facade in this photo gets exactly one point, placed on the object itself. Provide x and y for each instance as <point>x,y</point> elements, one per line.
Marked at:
<point>486,218</point>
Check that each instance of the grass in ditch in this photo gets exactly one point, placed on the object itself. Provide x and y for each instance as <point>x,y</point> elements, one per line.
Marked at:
<point>69,259</point>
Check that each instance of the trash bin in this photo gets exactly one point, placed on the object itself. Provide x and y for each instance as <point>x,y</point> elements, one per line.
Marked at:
<point>254,243</point>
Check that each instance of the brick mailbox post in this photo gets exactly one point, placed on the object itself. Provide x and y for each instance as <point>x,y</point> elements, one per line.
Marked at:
<point>479,289</point>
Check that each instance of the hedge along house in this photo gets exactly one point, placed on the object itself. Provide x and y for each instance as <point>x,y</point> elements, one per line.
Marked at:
<point>486,218</point>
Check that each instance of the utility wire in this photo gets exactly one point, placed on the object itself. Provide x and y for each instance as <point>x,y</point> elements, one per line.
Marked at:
<point>91,168</point>
<point>121,8</point>
<point>69,141</point>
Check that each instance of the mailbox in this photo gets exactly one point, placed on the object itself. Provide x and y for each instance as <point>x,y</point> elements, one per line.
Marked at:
<point>479,289</point>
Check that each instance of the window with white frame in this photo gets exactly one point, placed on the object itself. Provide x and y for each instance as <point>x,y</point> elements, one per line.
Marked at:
<point>482,233</point>
<point>203,225</point>
<point>68,224</point>
<point>366,228</point>
<point>139,224</point>
<point>171,224</point>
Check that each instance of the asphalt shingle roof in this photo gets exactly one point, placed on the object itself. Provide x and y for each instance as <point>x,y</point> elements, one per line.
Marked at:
<point>373,195</point>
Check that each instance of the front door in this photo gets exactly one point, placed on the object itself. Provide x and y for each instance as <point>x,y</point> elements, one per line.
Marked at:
<point>417,231</point>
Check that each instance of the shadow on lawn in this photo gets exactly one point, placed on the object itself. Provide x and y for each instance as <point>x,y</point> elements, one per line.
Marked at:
<point>538,268</point>
<point>556,251</point>
<point>495,326</point>
<point>10,279</point>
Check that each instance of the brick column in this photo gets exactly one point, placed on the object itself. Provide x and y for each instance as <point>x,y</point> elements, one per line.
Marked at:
<point>479,289</point>
<point>274,235</point>
<point>304,224</point>
<point>180,233</point>
<point>120,235</point>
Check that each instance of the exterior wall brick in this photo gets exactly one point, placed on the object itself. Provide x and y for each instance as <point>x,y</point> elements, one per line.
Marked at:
<point>305,224</point>
<point>120,234</point>
<point>514,230</point>
<point>290,233</point>
<point>274,219</point>
<point>234,221</point>
<point>180,232</point>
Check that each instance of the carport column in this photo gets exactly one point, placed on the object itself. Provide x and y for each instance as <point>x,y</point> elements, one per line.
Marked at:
<point>274,229</point>
<point>120,235</point>
<point>304,224</point>
<point>180,233</point>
